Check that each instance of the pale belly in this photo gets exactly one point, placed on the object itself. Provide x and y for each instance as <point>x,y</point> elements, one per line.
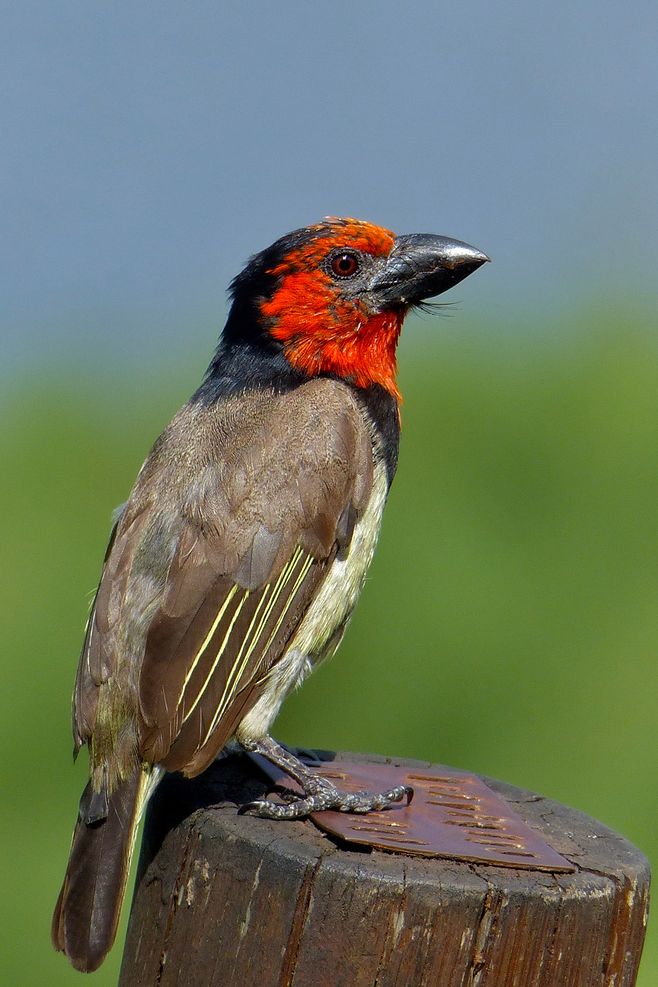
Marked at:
<point>320,631</point>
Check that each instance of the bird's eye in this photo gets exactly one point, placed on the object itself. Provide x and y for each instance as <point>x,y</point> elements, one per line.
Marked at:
<point>344,264</point>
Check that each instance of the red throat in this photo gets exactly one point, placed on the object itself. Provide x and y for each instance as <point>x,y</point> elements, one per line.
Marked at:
<point>324,333</point>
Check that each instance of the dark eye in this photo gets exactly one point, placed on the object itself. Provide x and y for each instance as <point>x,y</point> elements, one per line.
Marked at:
<point>345,264</point>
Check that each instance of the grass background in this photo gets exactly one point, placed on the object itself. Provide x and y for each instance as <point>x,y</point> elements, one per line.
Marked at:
<point>509,624</point>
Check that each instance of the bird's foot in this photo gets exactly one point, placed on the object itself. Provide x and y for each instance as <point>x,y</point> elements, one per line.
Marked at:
<point>319,795</point>
<point>332,798</point>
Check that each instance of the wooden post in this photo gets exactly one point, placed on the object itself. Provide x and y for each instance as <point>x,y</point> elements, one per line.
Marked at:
<point>226,900</point>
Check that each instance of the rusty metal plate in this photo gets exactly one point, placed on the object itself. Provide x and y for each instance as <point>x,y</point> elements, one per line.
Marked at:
<point>453,814</point>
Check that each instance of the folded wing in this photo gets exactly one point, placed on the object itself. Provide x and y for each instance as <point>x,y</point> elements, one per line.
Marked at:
<point>232,526</point>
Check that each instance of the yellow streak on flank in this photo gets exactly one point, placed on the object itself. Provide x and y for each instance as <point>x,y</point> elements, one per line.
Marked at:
<point>217,657</point>
<point>222,610</point>
<point>89,626</point>
<point>302,576</point>
<point>263,623</point>
<point>238,669</point>
<point>265,595</point>
<point>278,587</point>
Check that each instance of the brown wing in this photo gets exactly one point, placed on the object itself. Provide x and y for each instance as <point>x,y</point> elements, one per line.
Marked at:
<point>248,503</point>
<point>100,655</point>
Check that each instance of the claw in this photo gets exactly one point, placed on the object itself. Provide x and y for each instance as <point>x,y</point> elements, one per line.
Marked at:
<point>249,809</point>
<point>363,802</point>
<point>319,794</point>
<point>274,810</point>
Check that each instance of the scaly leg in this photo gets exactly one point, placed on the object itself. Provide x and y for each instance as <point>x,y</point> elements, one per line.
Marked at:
<point>319,794</point>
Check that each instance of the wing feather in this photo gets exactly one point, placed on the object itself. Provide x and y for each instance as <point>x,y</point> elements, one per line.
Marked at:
<point>233,523</point>
<point>218,660</point>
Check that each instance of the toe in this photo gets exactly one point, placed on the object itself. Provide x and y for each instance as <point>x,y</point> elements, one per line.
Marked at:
<point>249,809</point>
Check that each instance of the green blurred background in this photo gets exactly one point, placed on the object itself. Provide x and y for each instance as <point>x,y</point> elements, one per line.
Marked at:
<point>508,627</point>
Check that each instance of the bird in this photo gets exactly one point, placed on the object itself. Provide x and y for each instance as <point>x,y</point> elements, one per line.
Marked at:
<point>234,566</point>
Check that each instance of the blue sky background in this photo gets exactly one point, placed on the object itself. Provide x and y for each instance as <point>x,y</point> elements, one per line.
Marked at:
<point>148,149</point>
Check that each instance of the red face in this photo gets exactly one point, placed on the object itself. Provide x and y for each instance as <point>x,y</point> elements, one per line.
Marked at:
<point>341,290</point>
<point>323,312</point>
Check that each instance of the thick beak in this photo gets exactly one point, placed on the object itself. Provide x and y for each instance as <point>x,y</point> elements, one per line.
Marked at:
<point>422,265</point>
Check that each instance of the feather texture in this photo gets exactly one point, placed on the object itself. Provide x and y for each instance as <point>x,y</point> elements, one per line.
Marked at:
<point>87,911</point>
<point>235,519</point>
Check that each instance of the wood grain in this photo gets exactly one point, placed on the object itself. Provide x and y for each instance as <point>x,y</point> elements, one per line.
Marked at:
<point>223,899</point>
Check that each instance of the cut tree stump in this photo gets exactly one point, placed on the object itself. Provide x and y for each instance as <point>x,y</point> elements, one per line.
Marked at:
<point>223,899</point>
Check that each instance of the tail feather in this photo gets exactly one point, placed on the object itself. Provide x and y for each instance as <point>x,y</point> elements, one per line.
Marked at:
<point>88,908</point>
